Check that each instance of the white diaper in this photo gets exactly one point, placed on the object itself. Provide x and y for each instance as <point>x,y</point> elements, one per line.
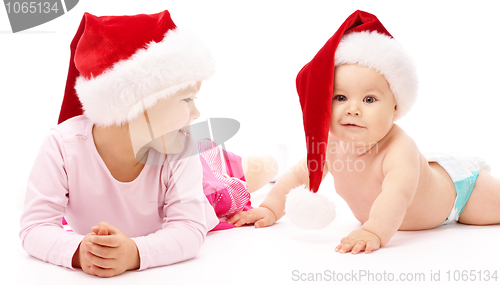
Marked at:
<point>463,171</point>
<point>458,166</point>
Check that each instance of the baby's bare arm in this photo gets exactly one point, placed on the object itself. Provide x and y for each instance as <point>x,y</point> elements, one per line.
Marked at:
<point>296,176</point>
<point>273,206</point>
<point>401,168</point>
<point>292,178</point>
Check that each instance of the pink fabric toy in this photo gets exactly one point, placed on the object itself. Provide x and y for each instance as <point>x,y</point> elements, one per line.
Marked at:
<point>224,182</point>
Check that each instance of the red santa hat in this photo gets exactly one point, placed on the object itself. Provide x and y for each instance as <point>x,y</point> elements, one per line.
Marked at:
<point>360,40</point>
<point>117,62</point>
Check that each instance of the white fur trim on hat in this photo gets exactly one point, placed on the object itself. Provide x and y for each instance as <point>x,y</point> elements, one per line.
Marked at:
<point>308,210</point>
<point>385,55</point>
<point>179,58</point>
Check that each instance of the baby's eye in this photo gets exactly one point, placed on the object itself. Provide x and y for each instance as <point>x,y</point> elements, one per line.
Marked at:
<point>369,99</point>
<point>340,98</point>
<point>189,99</point>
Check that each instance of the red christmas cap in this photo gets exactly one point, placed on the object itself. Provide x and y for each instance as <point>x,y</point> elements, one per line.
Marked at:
<point>361,40</point>
<point>118,61</point>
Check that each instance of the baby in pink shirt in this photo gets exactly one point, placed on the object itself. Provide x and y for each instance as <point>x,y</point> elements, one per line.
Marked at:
<point>163,207</point>
<point>129,159</point>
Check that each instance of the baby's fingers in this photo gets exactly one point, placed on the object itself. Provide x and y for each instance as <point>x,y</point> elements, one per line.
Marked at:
<point>100,231</point>
<point>99,251</point>
<point>346,248</point>
<point>99,261</point>
<point>370,246</point>
<point>344,240</point>
<point>264,222</point>
<point>109,240</point>
<point>358,247</point>
<point>235,218</point>
<point>103,272</point>
<point>244,219</point>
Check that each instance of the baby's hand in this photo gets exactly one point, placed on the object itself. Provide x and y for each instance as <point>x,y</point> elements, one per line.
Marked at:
<point>79,259</point>
<point>110,251</point>
<point>357,241</point>
<point>260,217</point>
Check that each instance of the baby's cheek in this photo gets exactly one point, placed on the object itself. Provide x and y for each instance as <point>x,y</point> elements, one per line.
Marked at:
<point>332,120</point>
<point>182,118</point>
<point>334,127</point>
<point>332,131</point>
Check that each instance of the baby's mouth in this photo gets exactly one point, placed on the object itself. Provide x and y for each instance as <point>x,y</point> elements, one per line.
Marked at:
<point>352,125</point>
<point>184,130</point>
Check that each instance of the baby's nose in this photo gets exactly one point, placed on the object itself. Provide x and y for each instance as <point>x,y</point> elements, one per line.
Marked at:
<point>195,113</point>
<point>353,110</point>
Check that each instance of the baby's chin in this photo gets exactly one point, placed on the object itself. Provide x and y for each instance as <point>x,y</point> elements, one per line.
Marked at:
<point>169,147</point>
<point>352,143</point>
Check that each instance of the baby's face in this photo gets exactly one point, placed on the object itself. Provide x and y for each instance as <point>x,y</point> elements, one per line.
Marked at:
<point>170,119</point>
<point>363,107</point>
<point>166,123</point>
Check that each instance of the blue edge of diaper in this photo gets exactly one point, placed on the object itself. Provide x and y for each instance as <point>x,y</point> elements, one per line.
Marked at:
<point>464,189</point>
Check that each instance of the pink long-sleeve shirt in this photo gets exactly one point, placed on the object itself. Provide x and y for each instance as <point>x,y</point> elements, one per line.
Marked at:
<point>164,210</point>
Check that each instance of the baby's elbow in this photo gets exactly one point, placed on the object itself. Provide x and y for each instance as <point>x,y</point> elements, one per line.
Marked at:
<point>194,238</point>
<point>408,195</point>
<point>23,236</point>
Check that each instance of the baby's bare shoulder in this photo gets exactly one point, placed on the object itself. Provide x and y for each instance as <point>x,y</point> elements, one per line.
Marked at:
<point>401,150</point>
<point>399,139</point>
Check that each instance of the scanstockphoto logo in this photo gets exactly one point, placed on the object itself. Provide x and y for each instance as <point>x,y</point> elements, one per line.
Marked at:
<point>24,15</point>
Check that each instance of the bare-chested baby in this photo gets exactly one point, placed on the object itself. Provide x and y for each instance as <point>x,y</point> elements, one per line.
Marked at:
<point>377,168</point>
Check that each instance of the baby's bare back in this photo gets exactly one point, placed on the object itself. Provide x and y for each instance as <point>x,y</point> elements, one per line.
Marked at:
<point>358,180</point>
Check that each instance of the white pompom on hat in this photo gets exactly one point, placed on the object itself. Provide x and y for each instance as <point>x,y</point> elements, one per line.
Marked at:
<point>309,210</point>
